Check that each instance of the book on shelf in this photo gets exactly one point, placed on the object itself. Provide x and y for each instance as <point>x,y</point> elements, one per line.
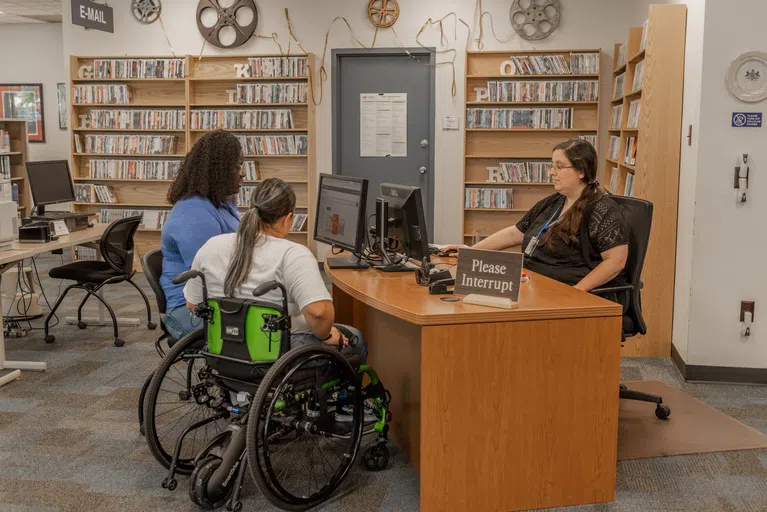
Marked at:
<point>622,55</point>
<point>489,198</point>
<point>631,151</point>
<point>125,169</point>
<point>614,180</point>
<point>115,94</point>
<point>540,118</point>
<point>615,145</point>
<point>635,109</point>
<point>524,172</point>
<point>138,119</point>
<point>628,190</point>
<point>5,168</point>
<point>540,65</point>
<point>274,144</point>
<point>138,68</point>
<point>299,222</point>
<point>252,170</point>
<point>90,193</point>
<point>584,63</point>
<point>643,40</point>
<point>151,219</point>
<point>590,138</point>
<point>5,141</point>
<point>615,117</point>
<point>244,195</point>
<point>638,76</point>
<point>618,84</point>
<point>278,67</point>
<point>242,119</point>
<point>127,144</point>
<point>272,93</point>
<point>543,90</point>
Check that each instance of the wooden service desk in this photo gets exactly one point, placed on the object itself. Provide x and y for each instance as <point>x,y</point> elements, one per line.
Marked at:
<point>497,409</point>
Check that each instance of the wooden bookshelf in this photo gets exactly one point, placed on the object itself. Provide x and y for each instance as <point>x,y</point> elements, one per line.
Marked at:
<point>488,147</point>
<point>656,169</point>
<point>19,156</point>
<point>204,86</point>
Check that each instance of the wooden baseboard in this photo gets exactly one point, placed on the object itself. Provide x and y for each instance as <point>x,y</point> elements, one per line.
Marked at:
<point>726,374</point>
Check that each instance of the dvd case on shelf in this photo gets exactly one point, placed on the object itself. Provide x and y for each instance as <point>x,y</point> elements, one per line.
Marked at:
<point>542,118</point>
<point>138,68</point>
<point>274,144</point>
<point>241,119</point>
<point>615,144</point>
<point>638,76</point>
<point>137,119</point>
<point>112,94</point>
<point>128,144</point>
<point>272,93</point>
<point>125,169</point>
<point>618,85</point>
<point>489,198</point>
<point>278,67</point>
<point>635,109</point>
<point>540,90</point>
<point>615,117</point>
<point>526,172</point>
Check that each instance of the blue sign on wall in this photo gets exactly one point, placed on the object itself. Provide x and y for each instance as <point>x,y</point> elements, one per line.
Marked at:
<point>746,119</point>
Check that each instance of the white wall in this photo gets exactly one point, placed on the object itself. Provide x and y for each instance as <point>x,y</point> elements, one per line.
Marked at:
<point>729,240</point>
<point>592,24</point>
<point>32,53</point>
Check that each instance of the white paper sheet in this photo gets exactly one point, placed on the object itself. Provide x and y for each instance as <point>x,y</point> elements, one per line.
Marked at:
<point>383,125</point>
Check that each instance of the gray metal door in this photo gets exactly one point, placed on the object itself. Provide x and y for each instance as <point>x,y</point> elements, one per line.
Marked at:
<point>386,71</point>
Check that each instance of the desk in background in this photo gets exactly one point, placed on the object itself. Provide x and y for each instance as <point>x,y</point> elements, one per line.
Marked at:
<point>497,409</point>
<point>21,252</point>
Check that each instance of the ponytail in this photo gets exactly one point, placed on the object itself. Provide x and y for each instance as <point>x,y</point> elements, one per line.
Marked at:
<point>272,199</point>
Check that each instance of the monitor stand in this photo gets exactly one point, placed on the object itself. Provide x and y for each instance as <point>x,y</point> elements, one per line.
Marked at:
<point>351,262</point>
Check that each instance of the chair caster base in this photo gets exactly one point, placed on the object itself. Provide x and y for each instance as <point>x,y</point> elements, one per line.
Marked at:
<point>662,412</point>
<point>151,326</point>
<point>119,342</point>
<point>50,338</point>
<point>81,325</point>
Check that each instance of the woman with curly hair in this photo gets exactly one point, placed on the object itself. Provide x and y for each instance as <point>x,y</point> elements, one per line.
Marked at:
<point>202,196</point>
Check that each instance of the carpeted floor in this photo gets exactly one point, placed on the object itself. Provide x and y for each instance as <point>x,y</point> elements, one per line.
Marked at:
<point>69,438</point>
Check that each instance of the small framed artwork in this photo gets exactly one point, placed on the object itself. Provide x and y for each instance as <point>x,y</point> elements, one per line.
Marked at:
<point>61,91</point>
<point>24,101</point>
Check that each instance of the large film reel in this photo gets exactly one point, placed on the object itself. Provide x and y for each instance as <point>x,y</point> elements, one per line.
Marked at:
<point>146,11</point>
<point>535,19</point>
<point>227,17</point>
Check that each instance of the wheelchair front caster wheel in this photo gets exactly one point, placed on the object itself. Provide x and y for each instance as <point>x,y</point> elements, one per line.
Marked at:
<point>376,457</point>
<point>50,338</point>
<point>662,412</point>
<point>119,342</point>
<point>151,326</point>
<point>237,507</point>
<point>81,325</point>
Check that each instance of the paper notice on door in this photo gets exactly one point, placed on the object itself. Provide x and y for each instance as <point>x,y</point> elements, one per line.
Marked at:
<point>383,125</point>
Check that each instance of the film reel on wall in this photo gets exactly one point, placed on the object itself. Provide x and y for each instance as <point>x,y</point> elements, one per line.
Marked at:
<point>227,23</point>
<point>534,20</point>
<point>383,13</point>
<point>146,11</point>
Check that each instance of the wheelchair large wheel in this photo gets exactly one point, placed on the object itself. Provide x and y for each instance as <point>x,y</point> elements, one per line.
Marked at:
<point>178,397</point>
<point>298,449</point>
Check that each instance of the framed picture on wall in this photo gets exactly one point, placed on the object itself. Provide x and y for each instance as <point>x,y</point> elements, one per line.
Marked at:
<point>61,92</point>
<point>24,101</point>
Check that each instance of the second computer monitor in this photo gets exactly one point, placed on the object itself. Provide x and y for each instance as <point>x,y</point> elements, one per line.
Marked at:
<point>50,183</point>
<point>341,212</point>
<point>407,222</point>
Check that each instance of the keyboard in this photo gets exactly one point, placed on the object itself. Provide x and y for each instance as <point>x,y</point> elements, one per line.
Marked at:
<point>62,215</point>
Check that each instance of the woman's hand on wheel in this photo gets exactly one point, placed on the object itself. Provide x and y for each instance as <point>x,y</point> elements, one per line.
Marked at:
<point>336,338</point>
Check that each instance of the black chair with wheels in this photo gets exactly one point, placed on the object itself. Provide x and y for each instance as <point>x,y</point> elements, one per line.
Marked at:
<point>638,216</point>
<point>116,248</point>
<point>151,263</point>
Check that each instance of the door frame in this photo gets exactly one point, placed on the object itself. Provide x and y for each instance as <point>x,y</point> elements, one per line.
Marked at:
<point>420,52</point>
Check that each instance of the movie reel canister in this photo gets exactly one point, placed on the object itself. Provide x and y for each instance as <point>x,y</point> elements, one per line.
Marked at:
<point>227,17</point>
<point>534,20</point>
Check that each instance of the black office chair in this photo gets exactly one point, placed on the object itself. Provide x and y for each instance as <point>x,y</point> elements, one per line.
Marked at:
<point>638,216</point>
<point>151,263</point>
<point>116,248</point>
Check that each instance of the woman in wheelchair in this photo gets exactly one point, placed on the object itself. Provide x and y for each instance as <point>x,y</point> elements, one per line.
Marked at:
<point>577,235</point>
<point>278,387</point>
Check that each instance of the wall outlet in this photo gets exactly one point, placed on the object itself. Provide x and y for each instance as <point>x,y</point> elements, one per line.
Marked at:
<point>746,305</point>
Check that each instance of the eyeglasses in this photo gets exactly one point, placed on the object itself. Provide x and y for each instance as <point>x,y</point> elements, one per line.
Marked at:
<point>555,167</point>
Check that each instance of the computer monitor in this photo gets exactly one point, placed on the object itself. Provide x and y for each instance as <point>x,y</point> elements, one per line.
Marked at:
<point>340,219</point>
<point>50,183</point>
<point>406,221</point>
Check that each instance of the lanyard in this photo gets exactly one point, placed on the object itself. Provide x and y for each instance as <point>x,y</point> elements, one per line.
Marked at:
<point>534,240</point>
<point>549,222</point>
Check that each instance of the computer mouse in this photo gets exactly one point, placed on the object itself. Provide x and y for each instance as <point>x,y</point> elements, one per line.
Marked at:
<point>449,252</point>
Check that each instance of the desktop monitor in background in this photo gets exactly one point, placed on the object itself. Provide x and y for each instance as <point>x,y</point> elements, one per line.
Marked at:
<point>50,183</point>
<point>406,220</point>
<point>340,219</point>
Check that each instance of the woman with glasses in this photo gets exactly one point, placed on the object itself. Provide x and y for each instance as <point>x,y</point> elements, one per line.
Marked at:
<point>549,233</point>
<point>203,199</point>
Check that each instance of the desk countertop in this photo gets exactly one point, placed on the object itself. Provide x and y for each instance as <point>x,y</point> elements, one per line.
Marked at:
<point>398,294</point>
<point>21,251</point>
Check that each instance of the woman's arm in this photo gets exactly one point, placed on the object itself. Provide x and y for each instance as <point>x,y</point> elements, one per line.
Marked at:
<point>319,315</point>
<point>500,240</point>
<point>613,261</point>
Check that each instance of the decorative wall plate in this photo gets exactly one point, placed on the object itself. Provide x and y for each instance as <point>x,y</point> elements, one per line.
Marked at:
<point>227,17</point>
<point>535,19</point>
<point>146,11</point>
<point>747,77</point>
<point>383,13</point>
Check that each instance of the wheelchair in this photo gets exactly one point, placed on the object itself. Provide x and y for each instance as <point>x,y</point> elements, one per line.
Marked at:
<point>246,401</point>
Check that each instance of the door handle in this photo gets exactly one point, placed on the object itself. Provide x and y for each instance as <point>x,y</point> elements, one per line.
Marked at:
<point>424,143</point>
<point>422,169</point>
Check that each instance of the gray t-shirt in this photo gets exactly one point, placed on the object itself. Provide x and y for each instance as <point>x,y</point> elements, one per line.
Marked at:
<point>274,259</point>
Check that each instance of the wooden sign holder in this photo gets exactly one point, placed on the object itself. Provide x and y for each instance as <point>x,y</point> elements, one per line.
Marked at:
<point>493,302</point>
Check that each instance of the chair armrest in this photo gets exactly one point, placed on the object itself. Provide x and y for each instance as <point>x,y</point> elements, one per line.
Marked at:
<point>611,289</point>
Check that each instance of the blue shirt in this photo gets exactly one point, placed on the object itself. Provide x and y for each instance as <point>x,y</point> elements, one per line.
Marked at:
<point>192,222</point>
